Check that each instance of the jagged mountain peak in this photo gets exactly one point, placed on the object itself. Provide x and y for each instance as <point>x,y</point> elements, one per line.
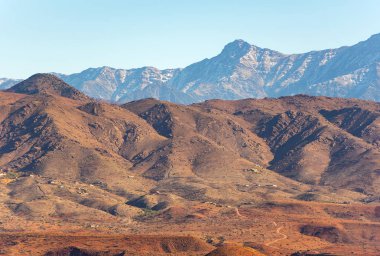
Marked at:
<point>47,83</point>
<point>236,49</point>
<point>238,43</point>
<point>243,70</point>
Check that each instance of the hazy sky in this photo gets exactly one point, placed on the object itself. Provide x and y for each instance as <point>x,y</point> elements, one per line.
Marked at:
<point>68,36</point>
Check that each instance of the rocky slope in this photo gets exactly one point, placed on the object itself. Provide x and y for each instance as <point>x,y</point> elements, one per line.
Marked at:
<point>241,71</point>
<point>120,84</point>
<point>316,140</point>
<point>252,171</point>
<point>206,151</point>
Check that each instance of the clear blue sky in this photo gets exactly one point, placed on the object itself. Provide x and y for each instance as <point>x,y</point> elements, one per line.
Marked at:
<point>68,36</point>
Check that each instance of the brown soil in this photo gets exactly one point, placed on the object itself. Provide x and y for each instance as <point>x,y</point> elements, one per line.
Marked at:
<point>179,180</point>
<point>100,245</point>
<point>329,233</point>
<point>234,250</point>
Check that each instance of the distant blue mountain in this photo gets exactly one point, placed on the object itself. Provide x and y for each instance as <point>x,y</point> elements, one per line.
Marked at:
<point>243,70</point>
<point>6,83</point>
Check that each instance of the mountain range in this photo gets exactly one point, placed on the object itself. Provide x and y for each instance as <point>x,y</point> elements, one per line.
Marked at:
<point>312,140</point>
<point>240,71</point>
<point>296,173</point>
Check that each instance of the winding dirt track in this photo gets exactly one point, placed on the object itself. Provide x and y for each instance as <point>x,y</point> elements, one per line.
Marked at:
<point>278,231</point>
<point>237,212</point>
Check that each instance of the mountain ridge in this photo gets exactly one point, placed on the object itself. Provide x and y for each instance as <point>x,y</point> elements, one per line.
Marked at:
<point>47,83</point>
<point>242,70</point>
<point>279,134</point>
<point>303,164</point>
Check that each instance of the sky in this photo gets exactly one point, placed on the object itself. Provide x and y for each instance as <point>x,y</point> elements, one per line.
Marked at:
<point>68,36</point>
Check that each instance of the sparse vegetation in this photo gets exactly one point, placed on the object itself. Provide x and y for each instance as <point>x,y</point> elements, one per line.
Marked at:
<point>147,213</point>
<point>183,169</point>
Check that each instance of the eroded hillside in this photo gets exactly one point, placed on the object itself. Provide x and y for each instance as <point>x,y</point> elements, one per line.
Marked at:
<point>248,170</point>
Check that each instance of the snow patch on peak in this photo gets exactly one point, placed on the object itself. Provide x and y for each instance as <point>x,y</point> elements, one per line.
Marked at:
<point>243,70</point>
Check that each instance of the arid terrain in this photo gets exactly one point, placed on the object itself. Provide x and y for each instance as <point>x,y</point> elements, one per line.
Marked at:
<point>296,175</point>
